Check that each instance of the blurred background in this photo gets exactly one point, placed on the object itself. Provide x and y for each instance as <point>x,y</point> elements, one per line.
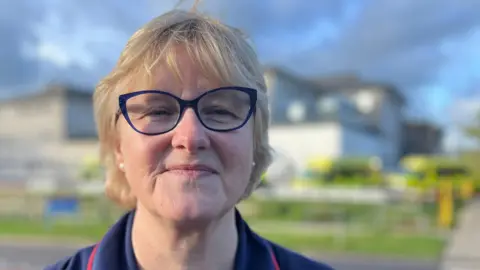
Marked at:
<point>375,127</point>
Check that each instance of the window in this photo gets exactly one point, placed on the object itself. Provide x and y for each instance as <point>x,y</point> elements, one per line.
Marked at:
<point>296,112</point>
<point>365,101</point>
<point>327,105</point>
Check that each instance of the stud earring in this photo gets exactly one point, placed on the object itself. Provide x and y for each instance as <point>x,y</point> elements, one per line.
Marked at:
<point>121,166</point>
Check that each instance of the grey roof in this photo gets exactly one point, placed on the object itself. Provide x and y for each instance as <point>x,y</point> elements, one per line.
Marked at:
<point>347,82</point>
<point>290,76</point>
<point>52,89</point>
<point>350,82</point>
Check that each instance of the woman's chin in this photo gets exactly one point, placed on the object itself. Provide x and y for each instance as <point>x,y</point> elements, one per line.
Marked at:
<point>191,208</point>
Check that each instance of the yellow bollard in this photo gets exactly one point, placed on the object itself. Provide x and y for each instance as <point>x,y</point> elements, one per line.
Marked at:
<point>467,190</point>
<point>445,204</point>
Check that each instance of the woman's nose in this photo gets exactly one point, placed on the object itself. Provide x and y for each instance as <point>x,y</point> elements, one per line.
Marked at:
<point>190,134</point>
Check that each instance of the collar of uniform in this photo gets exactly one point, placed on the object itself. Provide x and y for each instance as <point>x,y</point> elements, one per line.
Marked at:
<point>115,251</point>
<point>253,251</point>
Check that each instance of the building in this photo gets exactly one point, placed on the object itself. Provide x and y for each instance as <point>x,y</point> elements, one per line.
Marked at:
<point>421,138</point>
<point>46,133</point>
<point>56,113</point>
<point>338,116</point>
<point>53,130</point>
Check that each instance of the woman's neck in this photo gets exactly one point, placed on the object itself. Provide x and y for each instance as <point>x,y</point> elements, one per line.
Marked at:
<point>157,244</point>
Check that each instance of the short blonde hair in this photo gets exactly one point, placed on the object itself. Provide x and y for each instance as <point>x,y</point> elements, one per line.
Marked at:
<point>221,51</point>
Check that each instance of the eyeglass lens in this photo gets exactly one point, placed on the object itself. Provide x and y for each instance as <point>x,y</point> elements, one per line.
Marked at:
<point>158,112</point>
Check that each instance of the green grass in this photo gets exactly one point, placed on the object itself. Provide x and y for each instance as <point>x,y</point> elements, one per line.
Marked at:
<point>289,223</point>
<point>319,211</point>
<point>418,247</point>
<point>383,245</point>
<point>25,227</point>
<point>383,217</point>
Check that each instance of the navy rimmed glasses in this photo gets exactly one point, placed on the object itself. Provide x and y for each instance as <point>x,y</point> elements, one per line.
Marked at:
<point>154,112</point>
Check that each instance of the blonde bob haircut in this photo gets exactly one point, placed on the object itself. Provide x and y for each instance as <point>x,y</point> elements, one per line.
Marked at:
<point>223,53</point>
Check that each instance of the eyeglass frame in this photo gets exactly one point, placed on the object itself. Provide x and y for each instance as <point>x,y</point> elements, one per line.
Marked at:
<point>184,105</point>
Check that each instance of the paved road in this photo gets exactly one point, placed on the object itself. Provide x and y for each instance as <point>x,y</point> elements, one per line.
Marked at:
<point>462,252</point>
<point>31,257</point>
<point>378,264</point>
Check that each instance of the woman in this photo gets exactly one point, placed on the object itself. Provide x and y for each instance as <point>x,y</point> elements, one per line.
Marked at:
<point>182,122</point>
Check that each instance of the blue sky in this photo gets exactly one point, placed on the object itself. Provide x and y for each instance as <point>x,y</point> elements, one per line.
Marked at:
<point>428,48</point>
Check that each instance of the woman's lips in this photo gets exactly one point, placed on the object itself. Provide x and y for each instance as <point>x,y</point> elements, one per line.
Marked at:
<point>191,170</point>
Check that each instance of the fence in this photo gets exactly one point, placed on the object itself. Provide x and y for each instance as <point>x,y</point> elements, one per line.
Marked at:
<point>366,213</point>
<point>401,228</point>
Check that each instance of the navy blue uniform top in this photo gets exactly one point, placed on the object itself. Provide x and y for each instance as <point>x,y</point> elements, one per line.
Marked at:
<point>115,252</point>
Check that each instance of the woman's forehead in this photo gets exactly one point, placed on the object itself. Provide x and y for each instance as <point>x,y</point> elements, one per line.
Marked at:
<point>179,67</point>
<point>193,81</point>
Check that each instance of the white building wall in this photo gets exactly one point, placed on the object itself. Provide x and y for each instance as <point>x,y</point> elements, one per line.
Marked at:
<point>37,118</point>
<point>302,142</point>
<point>33,141</point>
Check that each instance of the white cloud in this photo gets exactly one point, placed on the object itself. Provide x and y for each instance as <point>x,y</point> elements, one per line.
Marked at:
<point>395,41</point>
<point>462,113</point>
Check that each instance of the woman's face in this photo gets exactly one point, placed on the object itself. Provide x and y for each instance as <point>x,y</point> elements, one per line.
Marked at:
<point>189,173</point>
